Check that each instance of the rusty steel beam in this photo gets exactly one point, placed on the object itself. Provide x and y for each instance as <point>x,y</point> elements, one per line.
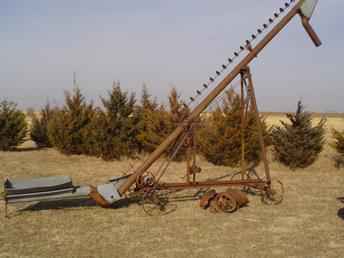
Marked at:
<point>242,126</point>
<point>211,183</point>
<point>309,29</point>
<point>208,99</point>
<point>259,124</point>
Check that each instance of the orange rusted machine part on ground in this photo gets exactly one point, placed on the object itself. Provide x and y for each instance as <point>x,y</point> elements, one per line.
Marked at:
<point>148,184</point>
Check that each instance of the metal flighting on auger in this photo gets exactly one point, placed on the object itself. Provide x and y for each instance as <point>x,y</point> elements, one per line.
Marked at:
<point>148,185</point>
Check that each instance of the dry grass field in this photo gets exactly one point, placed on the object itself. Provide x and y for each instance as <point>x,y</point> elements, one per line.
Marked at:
<point>306,224</point>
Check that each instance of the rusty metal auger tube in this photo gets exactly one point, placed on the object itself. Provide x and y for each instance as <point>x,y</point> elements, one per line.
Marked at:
<point>207,100</point>
<point>62,188</point>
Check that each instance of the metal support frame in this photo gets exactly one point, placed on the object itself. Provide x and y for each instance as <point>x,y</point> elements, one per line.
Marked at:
<point>248,101</point>
<point>111,193</point>
<point>246,78</point>
<point>171,139</point>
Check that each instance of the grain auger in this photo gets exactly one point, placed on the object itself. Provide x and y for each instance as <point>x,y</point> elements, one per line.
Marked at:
<point>140,182</point>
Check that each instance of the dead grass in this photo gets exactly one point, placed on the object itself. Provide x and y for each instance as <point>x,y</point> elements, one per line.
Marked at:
<point>306,224</point>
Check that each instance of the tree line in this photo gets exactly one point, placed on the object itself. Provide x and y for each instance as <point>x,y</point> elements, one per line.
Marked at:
<point>126,127</point>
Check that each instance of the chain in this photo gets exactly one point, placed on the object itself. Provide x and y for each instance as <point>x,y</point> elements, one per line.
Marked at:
<point>246,46</point>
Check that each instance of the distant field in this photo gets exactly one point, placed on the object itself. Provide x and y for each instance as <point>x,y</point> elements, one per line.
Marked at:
<point>333,122</point>
<point>314,114</point>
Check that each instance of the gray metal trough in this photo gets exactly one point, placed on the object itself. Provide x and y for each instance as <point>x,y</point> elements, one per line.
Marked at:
<point>56,188</point>
<point>43,189</point>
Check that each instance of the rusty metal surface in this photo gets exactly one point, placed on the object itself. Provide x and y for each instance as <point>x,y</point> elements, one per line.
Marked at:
<point>226,202</point>
<point>309,29</point>
<point>274,194</point>
<point>246,73</point>
<point>146,180</point>
<point>209,98</point>
<point>157,204</point>
<point>147,184</point>
<point>206,198</point>
<point>94,195</point>
<point>240,197</point>
<point>255,183</point>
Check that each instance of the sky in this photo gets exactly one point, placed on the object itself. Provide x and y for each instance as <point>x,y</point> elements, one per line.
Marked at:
<point>164,44</point>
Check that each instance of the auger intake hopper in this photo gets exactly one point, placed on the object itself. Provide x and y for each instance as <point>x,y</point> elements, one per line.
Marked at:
<point>58,188</point>
<point>42,189</point>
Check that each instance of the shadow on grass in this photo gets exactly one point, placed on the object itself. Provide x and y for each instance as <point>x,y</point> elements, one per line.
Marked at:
<point>56,205</point>
<point>340,212</point>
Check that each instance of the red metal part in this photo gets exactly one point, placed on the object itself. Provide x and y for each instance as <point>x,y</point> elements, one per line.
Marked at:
<point>94,195</point>
<point>206,198</point>
<point>226,202</point>
<point>240,197</point>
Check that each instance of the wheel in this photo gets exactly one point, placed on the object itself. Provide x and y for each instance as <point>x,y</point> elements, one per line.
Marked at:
<point>214,207</point>
<point>145,180</point>
<point>226,202</point>
<point>206,199</point>
<point>155,204</point>
<point>249,174</point>
<point>274,194</point>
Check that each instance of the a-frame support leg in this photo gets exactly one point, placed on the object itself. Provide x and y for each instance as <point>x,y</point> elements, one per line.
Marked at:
<point>242,126</point>
<point>246,75</point>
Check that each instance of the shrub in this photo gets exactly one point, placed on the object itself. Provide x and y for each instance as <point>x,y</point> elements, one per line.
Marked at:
<point>39,128</point>
<point>115,132</point>
<point>13,126</point>
<point>297,144</point>
<point>220,138</point>
<point>153,124</point>
<point>177,113</point>
<point>68,128</point>
<point>30,112</point>
<point>338,145</point>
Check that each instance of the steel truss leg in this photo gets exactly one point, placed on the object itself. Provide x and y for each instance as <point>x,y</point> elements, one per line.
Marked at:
<point>246,79</point>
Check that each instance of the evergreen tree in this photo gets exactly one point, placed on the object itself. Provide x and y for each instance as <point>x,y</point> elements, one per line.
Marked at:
<point>146,99</point>
<point>220,138</point>
<point>67,129</point>
<point>153,123</point>
<point>39,128</point>
<point>13,126</point>
<point>177,113</point>
<point>297,144</point>
<point>338,145</point>
<point>30,112</point>
<point>116,131</point>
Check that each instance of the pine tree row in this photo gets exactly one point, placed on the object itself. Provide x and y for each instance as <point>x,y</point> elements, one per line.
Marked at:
<point>120,127</point>
<point>123,126</point>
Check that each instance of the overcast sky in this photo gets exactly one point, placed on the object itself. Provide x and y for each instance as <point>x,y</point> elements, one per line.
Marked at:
<point>163,44</point>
